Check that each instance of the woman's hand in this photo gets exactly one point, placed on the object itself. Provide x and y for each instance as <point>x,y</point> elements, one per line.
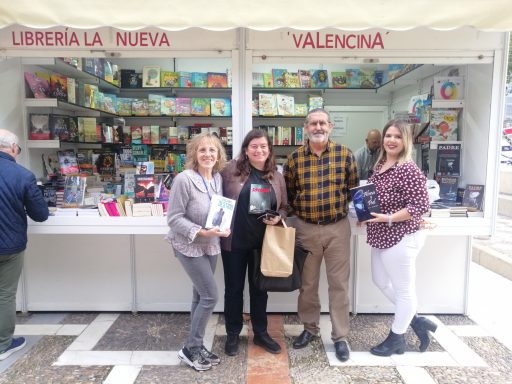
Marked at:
<point>272,220</point>
<point>377,218</point>
<point>214,232</point>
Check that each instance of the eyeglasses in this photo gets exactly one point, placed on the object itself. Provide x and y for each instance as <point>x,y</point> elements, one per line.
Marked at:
<point>18,149</point>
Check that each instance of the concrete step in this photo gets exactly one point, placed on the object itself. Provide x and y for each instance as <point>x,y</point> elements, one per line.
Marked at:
<point>505,205</point>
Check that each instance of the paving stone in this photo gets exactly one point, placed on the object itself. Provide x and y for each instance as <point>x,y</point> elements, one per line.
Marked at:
<point>455,320</point>
<point>79,318</point>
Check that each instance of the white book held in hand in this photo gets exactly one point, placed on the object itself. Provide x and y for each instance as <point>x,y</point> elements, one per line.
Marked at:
<point>220,213</point>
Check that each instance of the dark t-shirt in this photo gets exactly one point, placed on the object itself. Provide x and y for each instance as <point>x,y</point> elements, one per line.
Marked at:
<point>248,231</point>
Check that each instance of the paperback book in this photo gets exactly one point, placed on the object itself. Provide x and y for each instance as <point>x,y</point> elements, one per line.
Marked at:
<point>217,80</point>
<point>473,197</point>
<point>39,127</point>
<point>444,124</point>
<point>144,189</point>
<point>59,127</point>
<point>68,163</point>
<point>221,212</point>
<point>150,76</point>
<point>74,191</point>
<point>259,198</point>
<point>448,160</point>
<point>448,188</point>
<point>365,201</point>
<point>221,107</point>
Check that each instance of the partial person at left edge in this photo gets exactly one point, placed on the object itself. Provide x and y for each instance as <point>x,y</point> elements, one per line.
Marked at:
<point>19,196</point>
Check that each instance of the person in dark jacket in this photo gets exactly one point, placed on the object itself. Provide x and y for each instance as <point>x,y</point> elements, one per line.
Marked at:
<point>19,197</point>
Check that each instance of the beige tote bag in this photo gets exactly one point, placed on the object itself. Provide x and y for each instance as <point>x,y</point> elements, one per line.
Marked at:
<point>277,251</point>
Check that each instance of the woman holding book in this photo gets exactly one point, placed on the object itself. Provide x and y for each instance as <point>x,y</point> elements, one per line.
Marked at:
<point>197,248</point>
<point>253,181</point>
<point>395,237</point>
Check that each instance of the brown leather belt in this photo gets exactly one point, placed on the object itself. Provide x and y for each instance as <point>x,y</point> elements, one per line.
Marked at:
<point>333,220</point>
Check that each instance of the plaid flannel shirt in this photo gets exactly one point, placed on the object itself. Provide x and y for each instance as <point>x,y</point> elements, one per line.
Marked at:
<point>318,186</point>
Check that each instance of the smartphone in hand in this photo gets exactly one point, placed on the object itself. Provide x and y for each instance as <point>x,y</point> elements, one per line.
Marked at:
<point>269,215</point>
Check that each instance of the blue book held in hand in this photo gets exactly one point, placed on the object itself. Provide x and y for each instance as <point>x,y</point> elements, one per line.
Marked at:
<point>365,201</point>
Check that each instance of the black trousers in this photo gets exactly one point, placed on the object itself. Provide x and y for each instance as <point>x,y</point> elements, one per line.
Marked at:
<point>236,263</point>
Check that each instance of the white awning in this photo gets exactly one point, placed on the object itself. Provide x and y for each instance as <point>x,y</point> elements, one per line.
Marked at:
<point>486,15</point>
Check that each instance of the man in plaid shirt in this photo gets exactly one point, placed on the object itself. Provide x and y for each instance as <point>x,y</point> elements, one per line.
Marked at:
<point>318,178</point>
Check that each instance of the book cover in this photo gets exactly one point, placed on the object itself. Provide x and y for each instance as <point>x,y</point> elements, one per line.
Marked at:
<point>146,134</point>
<point>84,159</point>
<point>448,160</point>
<point>300,109</point>
<point>259,198</point>
<point>144,189</point>
<point>257,80</point>
<point>124,106</point>
<point>315,102</point>
<point>90,95</point>
<point>155,105</point>
<point>278,79</point>
<point>168,106</point>
<point>159,157</point>
<point>220,106</point>
<point>319,79</point>
<point>155,134</point>
<point>50,195</point>
<point>73,135</point>
<point>128,78</point>
<point>221,212</point>
<point>74,191</point>
<point>304,78</point>
<point>140,152</point>
<point>183,134</point>
<point>109,103</point>
<point>59,87</point>
<point>217,80</point>
<point>126,156</point>
<point>68,164</point>
<point>339,79</point>
<point>90,129</point>
<point>255,107</point>
<point>448,188</point>
<point>448,88</point>
<point>161,192</point>
<point>106,164</point>
<point>268,81</point>
<point>39,127</point>
<point>285,105</point>
<point>473,197</point>
<point>291,80</point>
<point>59,127</point>
<point>136,132</point>
<point>199,80</point>
<point>299,135</point>
<point>353,78</point>
<point>150,76</point>
<point>200,106</point>
<point>145,168</point>
<point>268,104</point>
<point>108,133</point>
<point>39,86</point>
<point>173,135</point>
<point>164,135</point>
<point>367,77</point>
<point>286,138</point>
<point>140,107</point>
<point>444,124</point>
<point>365,201</point>
<point>129,182</point>
<point>183,106</point>
<point>169,79</point>
<point>185,79</point>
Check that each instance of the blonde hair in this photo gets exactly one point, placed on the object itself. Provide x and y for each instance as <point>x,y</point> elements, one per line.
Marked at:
<point>405,131</point>
<point>193,145</point>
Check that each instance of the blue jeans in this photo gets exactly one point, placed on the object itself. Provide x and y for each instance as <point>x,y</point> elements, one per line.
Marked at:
<point>10,271</point>
<point>235,264</point>
<point>204,294</point>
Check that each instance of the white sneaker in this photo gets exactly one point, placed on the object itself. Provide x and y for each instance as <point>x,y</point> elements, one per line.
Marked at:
<point>194,359</point>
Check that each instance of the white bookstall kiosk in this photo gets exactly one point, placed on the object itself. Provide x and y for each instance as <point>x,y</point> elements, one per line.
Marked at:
<point>124,264</point>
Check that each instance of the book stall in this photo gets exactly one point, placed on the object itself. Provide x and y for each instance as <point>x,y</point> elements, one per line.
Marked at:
<point>104,115</point>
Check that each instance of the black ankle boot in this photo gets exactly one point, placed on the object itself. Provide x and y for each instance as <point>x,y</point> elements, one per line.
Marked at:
<point>394,343</point>
<point>421,325</point>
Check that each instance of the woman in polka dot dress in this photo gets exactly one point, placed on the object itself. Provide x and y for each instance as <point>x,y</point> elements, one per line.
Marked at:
<point>395,237</point>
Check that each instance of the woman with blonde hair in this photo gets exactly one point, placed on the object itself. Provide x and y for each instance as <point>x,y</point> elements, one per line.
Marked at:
<point>196,247</point>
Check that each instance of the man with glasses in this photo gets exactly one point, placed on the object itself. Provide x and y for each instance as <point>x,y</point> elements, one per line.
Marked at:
<point>318,178</point>
<point>19,197</point>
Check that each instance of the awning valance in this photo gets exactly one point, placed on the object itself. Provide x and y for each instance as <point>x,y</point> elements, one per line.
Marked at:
<point>486,15</point>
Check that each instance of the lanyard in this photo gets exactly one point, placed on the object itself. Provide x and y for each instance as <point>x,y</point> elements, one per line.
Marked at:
<point>214,187</point>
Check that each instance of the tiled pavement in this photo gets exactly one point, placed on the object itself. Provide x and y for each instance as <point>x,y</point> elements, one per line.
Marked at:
<point>124,348</point>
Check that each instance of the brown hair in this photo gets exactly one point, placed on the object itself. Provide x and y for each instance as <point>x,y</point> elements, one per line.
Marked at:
<point>242,162</point>
<point>194,144</point>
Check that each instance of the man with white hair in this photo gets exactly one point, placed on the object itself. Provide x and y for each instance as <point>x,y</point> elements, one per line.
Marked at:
<point>19,197</point>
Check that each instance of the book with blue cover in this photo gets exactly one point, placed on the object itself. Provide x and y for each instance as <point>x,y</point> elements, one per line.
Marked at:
<point>365,201</point>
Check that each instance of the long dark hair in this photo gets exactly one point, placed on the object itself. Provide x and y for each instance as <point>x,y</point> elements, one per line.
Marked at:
<point>242,162</point>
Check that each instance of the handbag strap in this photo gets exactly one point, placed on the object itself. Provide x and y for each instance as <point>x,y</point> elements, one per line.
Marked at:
<point>284,223</point>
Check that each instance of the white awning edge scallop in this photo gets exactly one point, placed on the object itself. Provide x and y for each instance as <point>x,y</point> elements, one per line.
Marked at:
<point>175,15</point>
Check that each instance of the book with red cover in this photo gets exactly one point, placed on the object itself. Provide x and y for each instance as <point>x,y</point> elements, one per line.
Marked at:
<point>217,80</point>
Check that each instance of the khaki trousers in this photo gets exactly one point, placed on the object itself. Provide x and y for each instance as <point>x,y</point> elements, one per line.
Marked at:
<point>331,243</point>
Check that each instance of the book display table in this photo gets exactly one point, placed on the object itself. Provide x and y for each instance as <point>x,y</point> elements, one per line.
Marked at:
<point>125,264</point>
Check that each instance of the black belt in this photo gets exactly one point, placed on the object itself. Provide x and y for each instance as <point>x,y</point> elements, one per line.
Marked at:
<point>332,220</point>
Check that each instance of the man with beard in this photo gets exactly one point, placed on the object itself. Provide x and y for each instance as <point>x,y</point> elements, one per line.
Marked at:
<point>318,178</point>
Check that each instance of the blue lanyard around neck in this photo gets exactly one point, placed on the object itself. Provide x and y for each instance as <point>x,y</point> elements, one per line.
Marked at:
<point>214,187</point>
